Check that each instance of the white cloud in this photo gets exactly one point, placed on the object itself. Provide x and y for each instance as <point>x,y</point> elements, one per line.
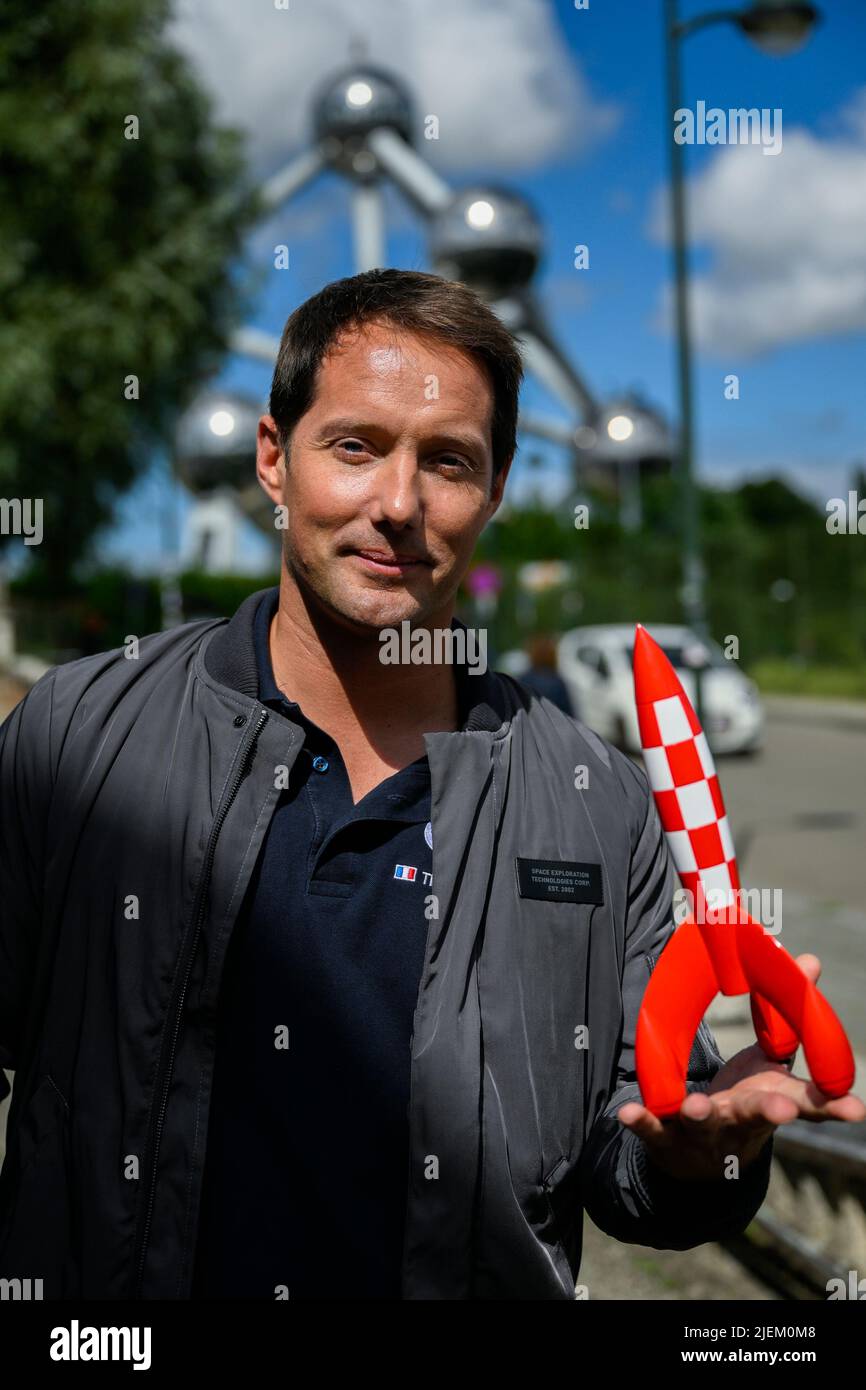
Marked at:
<point>786,234</point>
<point>496,72</point>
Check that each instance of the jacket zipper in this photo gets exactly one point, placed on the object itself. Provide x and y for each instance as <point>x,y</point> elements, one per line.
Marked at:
<point>166,1061</point>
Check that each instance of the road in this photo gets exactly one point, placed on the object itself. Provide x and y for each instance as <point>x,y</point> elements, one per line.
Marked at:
<point>798,816</point>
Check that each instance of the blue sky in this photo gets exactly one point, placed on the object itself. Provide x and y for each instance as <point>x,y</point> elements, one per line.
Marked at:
<point>567,107</point>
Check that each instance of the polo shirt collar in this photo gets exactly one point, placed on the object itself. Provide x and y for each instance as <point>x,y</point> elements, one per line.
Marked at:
<point>230,658</point>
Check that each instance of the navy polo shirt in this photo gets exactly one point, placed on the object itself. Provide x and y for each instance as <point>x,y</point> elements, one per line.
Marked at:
<point>307,1162</point>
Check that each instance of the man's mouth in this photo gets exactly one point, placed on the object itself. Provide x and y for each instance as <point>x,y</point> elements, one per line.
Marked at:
<point>387,562</point>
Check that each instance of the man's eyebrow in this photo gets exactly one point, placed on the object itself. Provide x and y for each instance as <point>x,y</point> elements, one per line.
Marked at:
<point>347,424</point>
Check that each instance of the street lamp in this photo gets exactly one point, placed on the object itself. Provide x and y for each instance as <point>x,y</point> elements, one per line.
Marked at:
<point>777,27</point>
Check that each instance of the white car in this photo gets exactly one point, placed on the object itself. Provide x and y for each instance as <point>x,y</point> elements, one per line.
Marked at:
<point>595,663</point>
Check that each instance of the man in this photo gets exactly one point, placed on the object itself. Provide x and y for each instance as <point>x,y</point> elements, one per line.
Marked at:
<point>320,973</point>
<point>542,674</point>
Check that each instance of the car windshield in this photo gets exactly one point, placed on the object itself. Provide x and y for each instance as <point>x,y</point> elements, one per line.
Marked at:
<point>674,653</point>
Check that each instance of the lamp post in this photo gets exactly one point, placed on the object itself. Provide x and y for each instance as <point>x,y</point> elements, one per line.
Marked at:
<point>778,27</point>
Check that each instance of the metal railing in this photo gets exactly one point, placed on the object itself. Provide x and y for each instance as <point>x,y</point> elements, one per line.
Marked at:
<point>812,1228</point>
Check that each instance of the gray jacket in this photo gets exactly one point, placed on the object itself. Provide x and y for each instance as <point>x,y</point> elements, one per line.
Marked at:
<point>135,797</point>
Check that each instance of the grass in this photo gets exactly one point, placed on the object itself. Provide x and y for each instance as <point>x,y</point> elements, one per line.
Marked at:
<point>779,677</point>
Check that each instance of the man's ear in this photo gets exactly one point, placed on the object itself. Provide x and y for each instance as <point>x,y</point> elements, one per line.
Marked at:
<point>269,458</point>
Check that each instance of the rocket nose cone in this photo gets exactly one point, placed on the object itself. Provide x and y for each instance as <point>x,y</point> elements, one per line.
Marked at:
<point>654,676</point>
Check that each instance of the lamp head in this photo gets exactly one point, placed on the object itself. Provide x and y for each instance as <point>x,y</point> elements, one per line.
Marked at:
<point>778,27</point>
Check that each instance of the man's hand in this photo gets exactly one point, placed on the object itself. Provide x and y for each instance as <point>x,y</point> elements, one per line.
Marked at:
<point>748,1098</point>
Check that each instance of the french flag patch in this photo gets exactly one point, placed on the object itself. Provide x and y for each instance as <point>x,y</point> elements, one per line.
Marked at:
<point>408,871</point>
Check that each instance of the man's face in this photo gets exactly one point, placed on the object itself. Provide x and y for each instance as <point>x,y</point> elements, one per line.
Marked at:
<point>389,481</point>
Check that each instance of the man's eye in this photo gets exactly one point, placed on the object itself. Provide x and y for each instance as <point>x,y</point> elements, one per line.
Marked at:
<point>452,462</point>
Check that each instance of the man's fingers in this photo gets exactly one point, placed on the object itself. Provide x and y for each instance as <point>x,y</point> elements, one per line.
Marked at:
<point>744,1109</point>
<point>794,1098</point>
<point>702,1113</point>
<point>810,965</point>
<point>698,1115</point>
<point>817,1106</point>
<point>643,1122</point>
<point>771,1107</point>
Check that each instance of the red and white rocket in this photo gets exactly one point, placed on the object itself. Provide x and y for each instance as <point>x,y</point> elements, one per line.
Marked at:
<point>719,948</point>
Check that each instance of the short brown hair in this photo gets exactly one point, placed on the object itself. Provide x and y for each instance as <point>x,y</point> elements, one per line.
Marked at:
<point>417,303</point>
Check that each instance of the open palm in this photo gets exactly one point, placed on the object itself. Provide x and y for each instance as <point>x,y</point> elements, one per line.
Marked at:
<point>748,1098</point>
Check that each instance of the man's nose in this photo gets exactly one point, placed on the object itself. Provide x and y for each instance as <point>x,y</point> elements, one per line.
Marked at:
<point>397,489</point>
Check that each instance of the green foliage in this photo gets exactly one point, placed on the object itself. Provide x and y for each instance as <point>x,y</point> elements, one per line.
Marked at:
<point>97,613</point>
<point>751,537</point>
<point>821,682</point>
<point>117,254</point>
<point>219,595</point>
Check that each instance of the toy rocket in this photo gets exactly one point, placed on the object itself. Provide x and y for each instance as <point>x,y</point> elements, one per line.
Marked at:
<point>719,948</point>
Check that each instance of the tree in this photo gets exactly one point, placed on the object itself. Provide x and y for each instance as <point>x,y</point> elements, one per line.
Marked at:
<point>123,207</point>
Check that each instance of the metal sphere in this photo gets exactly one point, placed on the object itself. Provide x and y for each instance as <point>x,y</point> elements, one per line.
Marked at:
<point>489,238</point>
<point>628,430</point>
<point>357,100</point>
<point>215,441</point>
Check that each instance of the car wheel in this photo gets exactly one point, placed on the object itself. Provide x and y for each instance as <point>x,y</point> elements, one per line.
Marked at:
<point>750,750</point>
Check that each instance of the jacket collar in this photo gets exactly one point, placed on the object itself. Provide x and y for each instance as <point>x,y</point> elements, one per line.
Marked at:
<point>230,659</point>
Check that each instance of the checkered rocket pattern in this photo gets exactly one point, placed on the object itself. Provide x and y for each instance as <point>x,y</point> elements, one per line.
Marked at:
<point>682,775</point>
